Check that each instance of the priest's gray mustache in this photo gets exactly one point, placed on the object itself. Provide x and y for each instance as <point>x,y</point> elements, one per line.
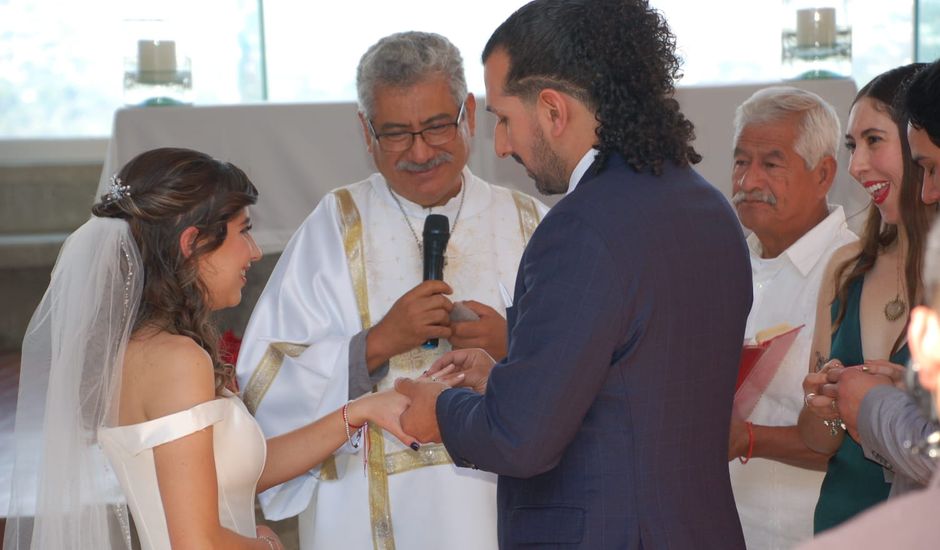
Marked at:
<point>754,196</point>
<point>409,166</point>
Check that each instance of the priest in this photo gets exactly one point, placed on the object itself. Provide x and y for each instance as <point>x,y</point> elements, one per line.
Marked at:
<point>346,311</point>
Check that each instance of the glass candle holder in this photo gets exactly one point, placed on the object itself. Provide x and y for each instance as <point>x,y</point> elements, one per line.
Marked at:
<point>156,72</point>
<point>816,40</point>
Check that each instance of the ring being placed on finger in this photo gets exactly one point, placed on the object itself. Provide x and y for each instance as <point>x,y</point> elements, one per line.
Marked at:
<point>830,364</point>
<point>865,368</point>
<point>807,398</point>
<point>433,379</point>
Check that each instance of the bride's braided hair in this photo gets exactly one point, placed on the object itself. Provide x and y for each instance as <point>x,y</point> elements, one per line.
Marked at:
<point>168,190</point>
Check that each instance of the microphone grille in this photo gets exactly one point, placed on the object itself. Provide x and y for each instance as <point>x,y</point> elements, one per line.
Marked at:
<point>435,225</point>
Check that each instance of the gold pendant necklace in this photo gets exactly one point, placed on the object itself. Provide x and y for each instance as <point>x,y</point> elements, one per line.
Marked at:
<point>896,307</point>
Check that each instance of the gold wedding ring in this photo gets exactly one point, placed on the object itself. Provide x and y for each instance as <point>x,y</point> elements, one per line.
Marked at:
<point>831,363</point>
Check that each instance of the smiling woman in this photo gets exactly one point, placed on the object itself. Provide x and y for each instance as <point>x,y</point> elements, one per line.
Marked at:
<point>877,156</point>
<point>121,362</point>
<point>866,297</point>
<point>225,269</point>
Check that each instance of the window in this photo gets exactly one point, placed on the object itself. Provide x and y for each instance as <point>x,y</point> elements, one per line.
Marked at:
<point>927,30</point>
<point>62,65</point>
<point>313,48</point>
<point>739,40</point>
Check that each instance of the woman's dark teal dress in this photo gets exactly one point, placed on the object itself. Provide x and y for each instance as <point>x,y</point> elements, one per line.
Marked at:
<point>852,483</point>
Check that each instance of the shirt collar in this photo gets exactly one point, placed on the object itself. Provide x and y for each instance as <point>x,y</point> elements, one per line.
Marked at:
<point>808,249</point>
<point>580,169</point>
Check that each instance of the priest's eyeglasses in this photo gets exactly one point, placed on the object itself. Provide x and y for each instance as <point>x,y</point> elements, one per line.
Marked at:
<point>439,134</point>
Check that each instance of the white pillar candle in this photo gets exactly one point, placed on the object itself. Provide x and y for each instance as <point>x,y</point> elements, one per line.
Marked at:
<point>815,27</point>
<point>157,56</point>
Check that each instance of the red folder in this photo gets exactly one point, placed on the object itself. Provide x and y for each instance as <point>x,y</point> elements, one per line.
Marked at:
<point>759,364</point>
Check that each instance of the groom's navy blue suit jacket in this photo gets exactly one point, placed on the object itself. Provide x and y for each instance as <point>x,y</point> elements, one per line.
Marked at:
<point>608,420</point>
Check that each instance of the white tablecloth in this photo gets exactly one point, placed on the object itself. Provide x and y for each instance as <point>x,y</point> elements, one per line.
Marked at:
<point>295,153</point>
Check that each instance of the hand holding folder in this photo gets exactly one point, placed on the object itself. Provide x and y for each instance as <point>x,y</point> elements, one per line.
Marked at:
<point>759,364</point>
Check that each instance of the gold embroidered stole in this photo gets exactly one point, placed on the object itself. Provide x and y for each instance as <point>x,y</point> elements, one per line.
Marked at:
<point>267,369</point>
<point>528,215</point>
<point>379,510</point>
<point>380,465</point>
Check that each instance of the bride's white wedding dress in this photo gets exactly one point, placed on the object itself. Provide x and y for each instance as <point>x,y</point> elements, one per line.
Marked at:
<point>239,448</point>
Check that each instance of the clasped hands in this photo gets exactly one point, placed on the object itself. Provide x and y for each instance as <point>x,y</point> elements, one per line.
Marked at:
<point>423,313</point>
<point>468,368</point>
<point>835,392</point>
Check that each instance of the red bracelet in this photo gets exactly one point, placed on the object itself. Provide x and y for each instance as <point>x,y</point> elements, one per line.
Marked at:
<point>750,443</point>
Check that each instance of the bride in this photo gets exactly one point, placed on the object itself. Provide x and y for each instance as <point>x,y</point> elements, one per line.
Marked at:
<point>121,361</point>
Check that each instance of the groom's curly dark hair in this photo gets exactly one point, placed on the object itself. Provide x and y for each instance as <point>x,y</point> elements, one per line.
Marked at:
<point>616,56</point>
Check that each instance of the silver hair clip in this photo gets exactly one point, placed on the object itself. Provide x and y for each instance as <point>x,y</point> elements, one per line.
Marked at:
<point>117,191</point>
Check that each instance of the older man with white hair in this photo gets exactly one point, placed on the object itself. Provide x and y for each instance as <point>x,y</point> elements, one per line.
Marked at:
<point>785,146</point>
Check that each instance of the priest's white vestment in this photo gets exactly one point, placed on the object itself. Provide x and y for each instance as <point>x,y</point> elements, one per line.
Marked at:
<point>343,269</point>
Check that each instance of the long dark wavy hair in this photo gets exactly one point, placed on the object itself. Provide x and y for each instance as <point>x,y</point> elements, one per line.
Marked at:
<point>172,189</point>
<point>887,90</point>
<point>618,58</point>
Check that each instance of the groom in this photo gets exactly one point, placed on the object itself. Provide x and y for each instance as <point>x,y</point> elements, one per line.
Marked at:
<point>608,420</point>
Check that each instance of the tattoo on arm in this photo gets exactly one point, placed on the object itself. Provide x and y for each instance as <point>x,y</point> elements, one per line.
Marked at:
<point>820,361</point>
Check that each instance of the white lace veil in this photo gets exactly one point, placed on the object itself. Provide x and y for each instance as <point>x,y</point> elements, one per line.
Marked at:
<point>70,378</point>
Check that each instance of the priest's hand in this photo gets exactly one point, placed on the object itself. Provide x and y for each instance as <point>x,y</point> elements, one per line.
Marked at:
<point>488,333</point>
<point>468,368</point>
<point>420,314</point>
<point>420,418</point>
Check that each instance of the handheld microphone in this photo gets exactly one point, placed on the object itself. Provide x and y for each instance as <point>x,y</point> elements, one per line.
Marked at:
<point>436,235</point>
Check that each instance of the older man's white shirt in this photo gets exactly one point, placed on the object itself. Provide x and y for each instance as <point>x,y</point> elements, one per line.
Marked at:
<point>775,500</point>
